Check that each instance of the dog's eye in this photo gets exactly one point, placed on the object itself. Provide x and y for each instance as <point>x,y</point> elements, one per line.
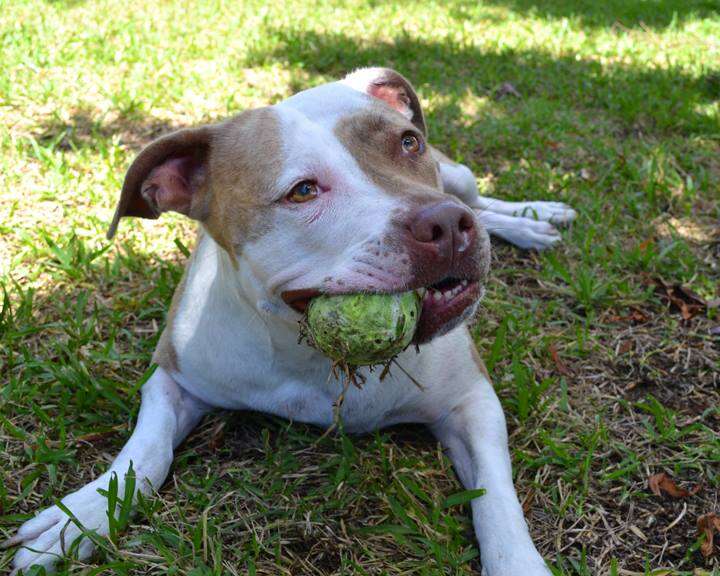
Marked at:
<point>303,191</point>
<point>411,143</point>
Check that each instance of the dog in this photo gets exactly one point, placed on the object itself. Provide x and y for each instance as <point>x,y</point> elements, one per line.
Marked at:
<point>334,190</point>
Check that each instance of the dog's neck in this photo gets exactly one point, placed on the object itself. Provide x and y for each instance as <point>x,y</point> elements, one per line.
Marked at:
<point>235,288</point>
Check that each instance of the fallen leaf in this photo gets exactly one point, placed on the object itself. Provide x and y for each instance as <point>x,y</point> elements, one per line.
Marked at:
<point>659,483</point>
<point>559,364</point>
<point>638,315</point>
<point>217,436</point>
<point>625,347</point>
<point>708,525</point>
<point>683,298</point>
<point>635,315</point>
<point>691,295</point>
<point>528,502</point>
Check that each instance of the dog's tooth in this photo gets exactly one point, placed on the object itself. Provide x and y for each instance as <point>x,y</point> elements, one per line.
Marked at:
<point>422,292</point>
<point>437,296</point>
<point>448,294</point>
<point>464,282</point>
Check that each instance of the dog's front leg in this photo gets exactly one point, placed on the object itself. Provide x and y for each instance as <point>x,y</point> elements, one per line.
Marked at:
<point>474,433</point>
<point>167,414</point>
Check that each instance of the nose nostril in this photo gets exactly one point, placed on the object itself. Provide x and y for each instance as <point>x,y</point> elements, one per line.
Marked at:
<point>465,223</point>
<point>443,224</point>
<point>437,232</point>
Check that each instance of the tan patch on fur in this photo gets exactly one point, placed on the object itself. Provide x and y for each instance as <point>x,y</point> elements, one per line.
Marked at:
<point>165,355</point>
<point>245,163</point>
<point>239,161</point>
<point>373,138</point>
<point>477,358</point>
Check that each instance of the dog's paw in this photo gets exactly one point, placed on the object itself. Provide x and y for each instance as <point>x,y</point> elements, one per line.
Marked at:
<point>528,234</point>
<point>530,565</point>
<point>49,536</point>
<point>524,569</point>
<point>555,212</point>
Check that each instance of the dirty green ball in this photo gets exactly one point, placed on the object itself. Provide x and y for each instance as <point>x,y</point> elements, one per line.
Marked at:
<point>363,329</point>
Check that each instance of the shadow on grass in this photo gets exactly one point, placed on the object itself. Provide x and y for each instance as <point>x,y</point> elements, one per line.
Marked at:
<point>623,13</point>
<point>85,129</point>
<point>662,100</point>
<point>636,100</point>
<point>65,3</point>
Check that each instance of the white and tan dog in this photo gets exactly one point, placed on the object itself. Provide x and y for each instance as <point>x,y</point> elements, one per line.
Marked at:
<point>332,191</point>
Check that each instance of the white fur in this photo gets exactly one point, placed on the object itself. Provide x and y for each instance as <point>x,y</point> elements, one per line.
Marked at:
<point>523,232</point>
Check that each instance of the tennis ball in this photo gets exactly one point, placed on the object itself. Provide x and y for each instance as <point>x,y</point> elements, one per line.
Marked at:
<point>363,329</point>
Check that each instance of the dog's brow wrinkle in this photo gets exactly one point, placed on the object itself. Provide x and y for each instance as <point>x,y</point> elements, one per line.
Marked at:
<point>374,121</point>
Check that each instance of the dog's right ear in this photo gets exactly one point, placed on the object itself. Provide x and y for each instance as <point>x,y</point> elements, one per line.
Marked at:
<point>392,88</point>
<point>168,174</point>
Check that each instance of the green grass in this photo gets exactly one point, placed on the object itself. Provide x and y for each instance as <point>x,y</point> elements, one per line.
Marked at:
<point>619,116</point>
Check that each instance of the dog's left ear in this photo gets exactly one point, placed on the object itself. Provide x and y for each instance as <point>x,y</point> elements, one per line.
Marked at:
<point>392,88</point>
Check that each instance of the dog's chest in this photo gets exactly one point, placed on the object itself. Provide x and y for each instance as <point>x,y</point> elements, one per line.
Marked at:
<point>297,384</point>
<point>229,355</point>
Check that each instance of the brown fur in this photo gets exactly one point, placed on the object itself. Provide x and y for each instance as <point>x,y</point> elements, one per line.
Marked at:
<point>373,138</point>
<point>189,141</point>
<point>245,163</point>
<point>477,358</point>
<point>241,156</point>
<point>165,354</point>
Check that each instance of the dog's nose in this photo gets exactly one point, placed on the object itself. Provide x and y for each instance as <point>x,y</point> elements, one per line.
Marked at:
<point>446,226</point>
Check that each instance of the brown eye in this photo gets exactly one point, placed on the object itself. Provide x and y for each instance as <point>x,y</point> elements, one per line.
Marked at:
<point>303,191</point>
<point>411,143</point>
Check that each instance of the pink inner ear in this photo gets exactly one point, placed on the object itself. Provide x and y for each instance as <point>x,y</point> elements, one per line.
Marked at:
<point>395,96</point>
<point>168,186</point>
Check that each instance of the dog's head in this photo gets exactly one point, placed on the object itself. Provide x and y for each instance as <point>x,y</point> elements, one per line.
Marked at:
<point>333,190</point>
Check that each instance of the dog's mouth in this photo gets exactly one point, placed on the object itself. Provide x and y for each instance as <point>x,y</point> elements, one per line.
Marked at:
<point>444,304</point>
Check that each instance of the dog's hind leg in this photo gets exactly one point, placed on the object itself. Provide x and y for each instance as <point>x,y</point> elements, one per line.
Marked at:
<point>167,414</point>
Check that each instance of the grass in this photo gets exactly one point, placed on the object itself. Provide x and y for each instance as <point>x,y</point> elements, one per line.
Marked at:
<point>603,380</point>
